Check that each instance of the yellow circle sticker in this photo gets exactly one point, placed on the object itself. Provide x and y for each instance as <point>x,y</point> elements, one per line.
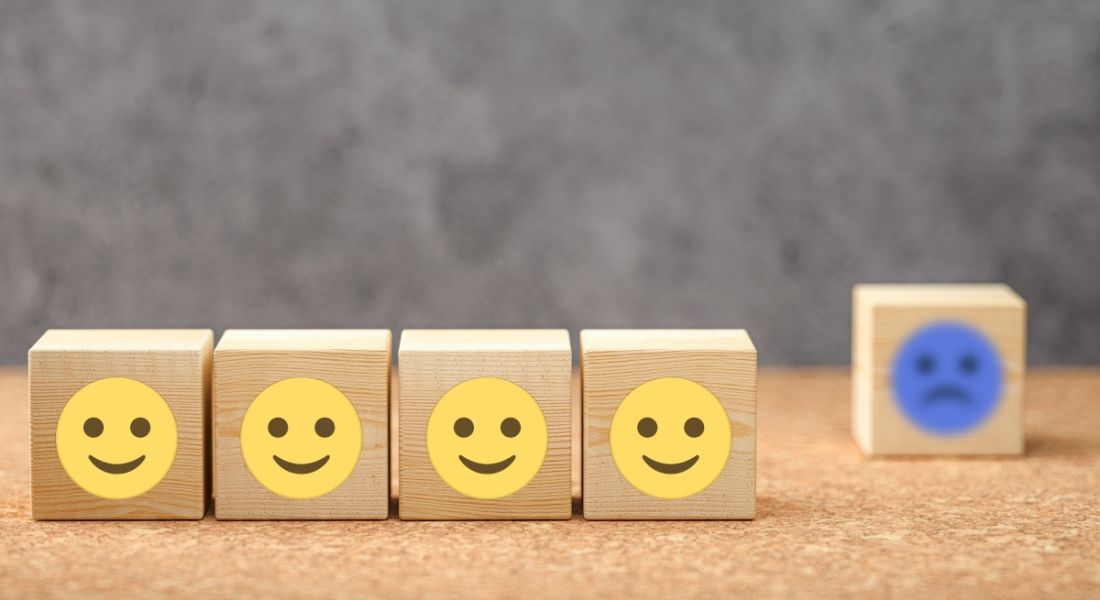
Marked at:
<point>301,438</point>
<point>487,438</point>
<point>116,438</point>
<point>670,438</point>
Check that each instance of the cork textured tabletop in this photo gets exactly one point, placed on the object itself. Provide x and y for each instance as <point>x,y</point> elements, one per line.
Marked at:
<point>830,524</point>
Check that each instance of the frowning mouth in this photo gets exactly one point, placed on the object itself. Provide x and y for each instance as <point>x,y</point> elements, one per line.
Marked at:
<point>673,468</point>
<point>487,469</point>
<point>300,468</point>
<point>947,393</point>
<point>116,468</point>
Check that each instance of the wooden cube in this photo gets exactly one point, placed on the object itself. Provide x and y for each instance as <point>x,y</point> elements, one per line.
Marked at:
<point>669,424</point>
<point>484,421</point>
<point>118,423</point>
<point>301,424</point>
<point>938,369</point>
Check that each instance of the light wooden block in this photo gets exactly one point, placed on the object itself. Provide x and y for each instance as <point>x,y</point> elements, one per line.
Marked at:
<point>354,362</point>
<point>616,363</point>
<point>174,365</point>
<point>433,363</point>
<point>885,318</point>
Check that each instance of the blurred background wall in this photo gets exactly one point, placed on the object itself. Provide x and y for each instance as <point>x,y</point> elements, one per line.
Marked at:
<point>545,163</point>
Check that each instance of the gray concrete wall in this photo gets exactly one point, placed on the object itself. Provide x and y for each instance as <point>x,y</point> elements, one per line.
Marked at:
<point>545,163</point>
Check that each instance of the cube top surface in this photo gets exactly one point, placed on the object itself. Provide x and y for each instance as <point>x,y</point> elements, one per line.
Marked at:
<point>483,340</point>
<point>123,340</point>
<point>618,340</point>
<point>304,339</point>
<point>949,294</point>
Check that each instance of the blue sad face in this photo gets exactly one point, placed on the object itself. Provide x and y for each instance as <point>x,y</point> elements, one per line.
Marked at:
<point>947,378</point>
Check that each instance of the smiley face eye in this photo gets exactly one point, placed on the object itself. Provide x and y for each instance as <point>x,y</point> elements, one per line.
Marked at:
<point>926,364</point>
<point>693,427</point>
<point>647,427</point>
<point>968,364</point>
<point>277,427</point>
<point>93,427</point>
<point>139,427</point>
<point>464,427</point>
<point>509,427</point>
<point>324,427</point>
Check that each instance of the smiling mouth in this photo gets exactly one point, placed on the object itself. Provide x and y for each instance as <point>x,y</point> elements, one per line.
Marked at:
<point>670,469</point>
<point>300,468</point>
<point>116,468</point>
<point>947,393</point>
<point>487,469</point>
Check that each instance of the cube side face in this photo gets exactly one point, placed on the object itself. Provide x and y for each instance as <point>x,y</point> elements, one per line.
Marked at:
<point>361,377</point>
<point>427,376</point>
<point>891,328</point>
<point>180,377</point>
<point>862,379</point>
<point>609,376</point>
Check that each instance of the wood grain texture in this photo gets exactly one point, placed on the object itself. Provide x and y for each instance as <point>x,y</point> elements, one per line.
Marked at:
<point>430,363</point>
<point>830,524</point>
<point>884,316</point>
<point>175,363</point>
<point>614,363</point>
<point>356,362</point>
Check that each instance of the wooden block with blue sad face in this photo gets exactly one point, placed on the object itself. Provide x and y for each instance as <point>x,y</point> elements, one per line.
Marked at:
<point>118,423</point>
<point>484,421</point>
<point>669,424</point>
<point>301,424</point>
<point>938,369</point>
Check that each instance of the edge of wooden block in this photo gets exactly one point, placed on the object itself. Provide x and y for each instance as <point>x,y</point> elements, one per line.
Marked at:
<point>483,340</point>
<point>665,340</point>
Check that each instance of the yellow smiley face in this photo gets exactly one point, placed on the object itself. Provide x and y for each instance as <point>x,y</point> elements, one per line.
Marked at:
<point>116,438</point>
<point>670,438</point>
<point>487,438</point>
<point>301,438</point>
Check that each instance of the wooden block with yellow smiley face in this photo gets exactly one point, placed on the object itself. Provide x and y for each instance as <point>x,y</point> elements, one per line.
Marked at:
<point>301,424</point>
<point>484,419</point>
<point>118,423</point>
<point>669,424</point>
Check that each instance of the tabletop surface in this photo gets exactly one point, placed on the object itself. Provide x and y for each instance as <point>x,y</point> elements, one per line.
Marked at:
<point>830,523</point>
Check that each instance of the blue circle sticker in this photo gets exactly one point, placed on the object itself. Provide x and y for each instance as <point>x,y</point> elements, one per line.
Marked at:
<point>947,378</point>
